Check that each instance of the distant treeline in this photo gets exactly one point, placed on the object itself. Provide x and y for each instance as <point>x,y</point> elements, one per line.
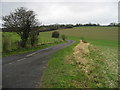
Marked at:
<point>114,24</point>
<point>90,24</point>
<point>44,28</point>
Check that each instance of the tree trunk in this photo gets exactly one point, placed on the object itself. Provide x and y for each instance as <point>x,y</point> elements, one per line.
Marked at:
<point>23,43</point>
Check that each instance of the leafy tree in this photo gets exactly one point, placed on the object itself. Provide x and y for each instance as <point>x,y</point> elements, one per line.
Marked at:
<point>22,21</point>
<point>113,24</point>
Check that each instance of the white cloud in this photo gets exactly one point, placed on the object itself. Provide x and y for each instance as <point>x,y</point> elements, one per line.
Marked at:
<point>70,12</point>
<point>76,12</point>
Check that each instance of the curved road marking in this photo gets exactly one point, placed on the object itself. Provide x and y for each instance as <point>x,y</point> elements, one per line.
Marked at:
<point>21,59</point>
<point>30,54</point>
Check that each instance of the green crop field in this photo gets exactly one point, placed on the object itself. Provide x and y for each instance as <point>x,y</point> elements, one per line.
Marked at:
<point>60,74</point>
<point>99,33</point>
<point>107,36</point>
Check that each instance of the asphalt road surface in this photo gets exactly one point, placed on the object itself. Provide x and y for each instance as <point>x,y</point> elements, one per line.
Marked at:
<point>25,70</point>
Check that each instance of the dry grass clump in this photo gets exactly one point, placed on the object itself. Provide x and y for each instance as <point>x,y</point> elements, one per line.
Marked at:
<point>80,51</point>
<point>87,65</point>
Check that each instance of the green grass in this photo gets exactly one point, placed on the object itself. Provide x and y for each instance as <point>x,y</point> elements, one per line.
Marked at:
<point>100,36</point>
<point>60,74</point>
<point>25,50</point>
<point>57,72</point>
<point>44,41</point>
<point>12,38</point>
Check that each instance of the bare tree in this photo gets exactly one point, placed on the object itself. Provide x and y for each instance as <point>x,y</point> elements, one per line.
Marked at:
<point>23,21</point>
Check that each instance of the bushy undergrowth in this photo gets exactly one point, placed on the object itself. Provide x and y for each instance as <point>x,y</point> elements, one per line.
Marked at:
<point>6,41</point>
<point>11,43</point>
<point>55,34</point>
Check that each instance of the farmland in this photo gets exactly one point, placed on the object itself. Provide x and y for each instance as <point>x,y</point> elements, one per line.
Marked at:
<point>64,72</point>
<point>99,33</point>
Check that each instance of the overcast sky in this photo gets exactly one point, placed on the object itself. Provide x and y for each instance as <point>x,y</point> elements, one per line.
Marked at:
<point>67,11</point>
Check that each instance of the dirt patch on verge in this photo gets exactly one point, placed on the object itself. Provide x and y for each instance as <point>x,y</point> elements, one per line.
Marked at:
<point>80,51</point>
<point>90,67</point>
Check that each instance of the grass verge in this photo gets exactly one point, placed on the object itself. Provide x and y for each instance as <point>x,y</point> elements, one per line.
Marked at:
<point>25,50</point>
<point>57,72</point>
<point>65,72</point>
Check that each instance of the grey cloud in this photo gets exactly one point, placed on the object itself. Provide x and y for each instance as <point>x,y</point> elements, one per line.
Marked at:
<point>62,12</point>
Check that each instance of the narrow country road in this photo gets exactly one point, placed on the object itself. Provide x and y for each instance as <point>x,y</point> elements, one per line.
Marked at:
<point>25,70</point>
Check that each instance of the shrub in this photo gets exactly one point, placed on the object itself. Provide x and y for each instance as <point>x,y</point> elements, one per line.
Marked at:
<point>55,34</point>
<point>34,38</point>
<point>5,43</point>
<point>63,37</point>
